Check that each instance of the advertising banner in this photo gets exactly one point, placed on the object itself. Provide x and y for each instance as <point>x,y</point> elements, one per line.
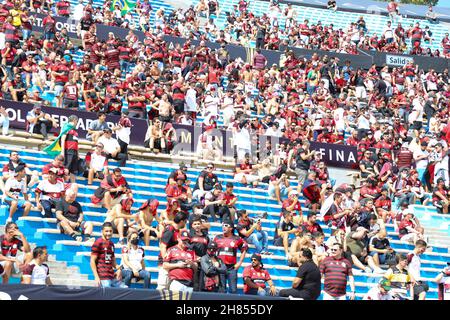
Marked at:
<point>61,22</point>
<point>187,136</point>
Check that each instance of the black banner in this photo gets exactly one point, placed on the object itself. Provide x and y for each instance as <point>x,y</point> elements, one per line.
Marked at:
<point>335,155</point>
<point>43,292</point>
<point>69,23</point>
<point>363,60</point>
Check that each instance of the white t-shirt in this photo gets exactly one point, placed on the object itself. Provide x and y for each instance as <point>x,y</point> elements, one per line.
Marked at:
<point>38,273</point>
<point>421,164</point>
<point>135,257</point>
<point>414,266</point>
<point>50,190</point>
<point>12,184</point>
<point>242,139</point>
<point>191,100</point>
<point>212,105</point>
<point>98,161</point>
<point>110,144</point>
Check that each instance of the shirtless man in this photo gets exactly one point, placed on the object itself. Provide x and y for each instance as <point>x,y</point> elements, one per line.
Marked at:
<point>167,215</point>
<point>119,215</point>
<point>148,212</point>
<point>165,108</point>
<point>302,240</point>
<point>155,137</point>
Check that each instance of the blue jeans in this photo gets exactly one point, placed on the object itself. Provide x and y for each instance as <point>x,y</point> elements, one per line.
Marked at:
<point>229,279</point>
<point>113,284</point>
<point>124,65</point>
<point>143,274</point>
<point>26,34</point>
<point>259,239</point>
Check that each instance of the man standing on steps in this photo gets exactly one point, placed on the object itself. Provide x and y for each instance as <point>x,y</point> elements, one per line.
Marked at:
<point>414,264</point>
<point>70,218</point>
<point>69,148</point>
<point>37,272</point>
<point>227,246</point>
<point>169,239</point>
<point>103,260</point>
<point>335,270</point>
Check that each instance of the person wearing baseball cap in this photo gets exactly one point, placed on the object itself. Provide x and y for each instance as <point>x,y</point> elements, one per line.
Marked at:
<point>180,263</point>
<point>380,292</point>
<point>148,212</point>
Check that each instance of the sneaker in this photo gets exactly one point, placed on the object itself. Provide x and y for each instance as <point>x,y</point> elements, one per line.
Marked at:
<point>379,271</point>
<point>79,238</point>
<point>368,270</point>
<point>264,215</point>
<point>9,219</point>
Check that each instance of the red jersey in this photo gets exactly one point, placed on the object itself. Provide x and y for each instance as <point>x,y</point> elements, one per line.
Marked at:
<point>336,272</point>
<point>184,275</point>
<point>259,276</point>
<point>227,248</point>
<point>47,167</point>
<point>71,142</point>
<point>10,248</point>
<point>104,250</point>
<point>63,8</point>
<point>71,92</point>
<point>169,238</point>
<point>288,202</point>
<point>63,77</point>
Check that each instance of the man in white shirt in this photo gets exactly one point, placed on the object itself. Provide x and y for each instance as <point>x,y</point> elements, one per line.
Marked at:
<point>421,159</point>
<point>98,163</point>
<point>242,140</point>
<point>112,148</point>
<point>274,130</point>
<point>414,263</point>
<point>190,100</point>
<point>37,272</point>
<point>212,102</point>
<point>388,33</point>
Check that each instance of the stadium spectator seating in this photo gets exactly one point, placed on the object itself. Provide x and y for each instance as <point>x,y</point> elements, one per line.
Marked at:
<point>44,231</point>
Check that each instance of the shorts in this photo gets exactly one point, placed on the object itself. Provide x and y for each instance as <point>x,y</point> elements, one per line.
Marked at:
<point>381,256</point>
<point>20,203</point>
<point>417,125</point>
<point>420,287</point>
<point>58,90</point>
<point>16,269</point>
<point>283,191</point>
<point>71,104</point>
<point>249,177</point>
<point>178,105</point>
<point>49,35</point>
<point>408,238</point>
<point>80,228</point>
<point>125,229</point>
<point>278,242</point>
<point>439,205</point>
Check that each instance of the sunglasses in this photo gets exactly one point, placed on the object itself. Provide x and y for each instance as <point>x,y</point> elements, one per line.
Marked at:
<point>210,167</point>
<point>226,225</point>
<point>333,250</point>
<point>254,259</point>
<point>98,146</point>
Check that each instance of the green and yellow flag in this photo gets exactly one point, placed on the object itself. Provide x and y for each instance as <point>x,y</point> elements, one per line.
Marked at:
<point>55,147</point>
<point>124,5</point>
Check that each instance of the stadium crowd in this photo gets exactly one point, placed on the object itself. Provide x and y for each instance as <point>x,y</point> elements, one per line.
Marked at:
<point>396,117</point>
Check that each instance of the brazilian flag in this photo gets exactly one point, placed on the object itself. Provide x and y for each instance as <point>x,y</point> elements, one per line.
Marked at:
<point>55,148</point>
<point>124,5</point>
